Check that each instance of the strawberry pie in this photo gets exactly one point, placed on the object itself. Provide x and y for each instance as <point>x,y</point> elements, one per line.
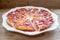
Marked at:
<point>30,19</point>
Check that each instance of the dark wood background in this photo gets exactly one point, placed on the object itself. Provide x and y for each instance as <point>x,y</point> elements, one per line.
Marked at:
<point>43,3</point>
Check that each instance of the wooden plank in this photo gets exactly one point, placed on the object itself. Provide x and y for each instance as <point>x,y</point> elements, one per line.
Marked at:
<point>45,3</point>
<point>12,3</point>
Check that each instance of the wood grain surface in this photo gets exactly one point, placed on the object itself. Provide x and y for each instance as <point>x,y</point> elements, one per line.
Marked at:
<point>6,35</point>
<point>43,3</point>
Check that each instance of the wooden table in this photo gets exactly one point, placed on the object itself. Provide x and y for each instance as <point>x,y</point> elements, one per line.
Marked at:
<point>6,35</point>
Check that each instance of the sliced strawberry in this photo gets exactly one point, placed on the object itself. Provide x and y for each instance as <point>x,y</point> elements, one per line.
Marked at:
<point>10,15</point>
<point>33,10</point>
<point>43,12</point>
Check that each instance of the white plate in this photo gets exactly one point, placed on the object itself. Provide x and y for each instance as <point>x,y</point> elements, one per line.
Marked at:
<point>54,25</point>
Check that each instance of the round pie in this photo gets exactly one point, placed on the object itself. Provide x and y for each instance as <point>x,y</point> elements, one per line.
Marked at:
<point>30,19</point>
